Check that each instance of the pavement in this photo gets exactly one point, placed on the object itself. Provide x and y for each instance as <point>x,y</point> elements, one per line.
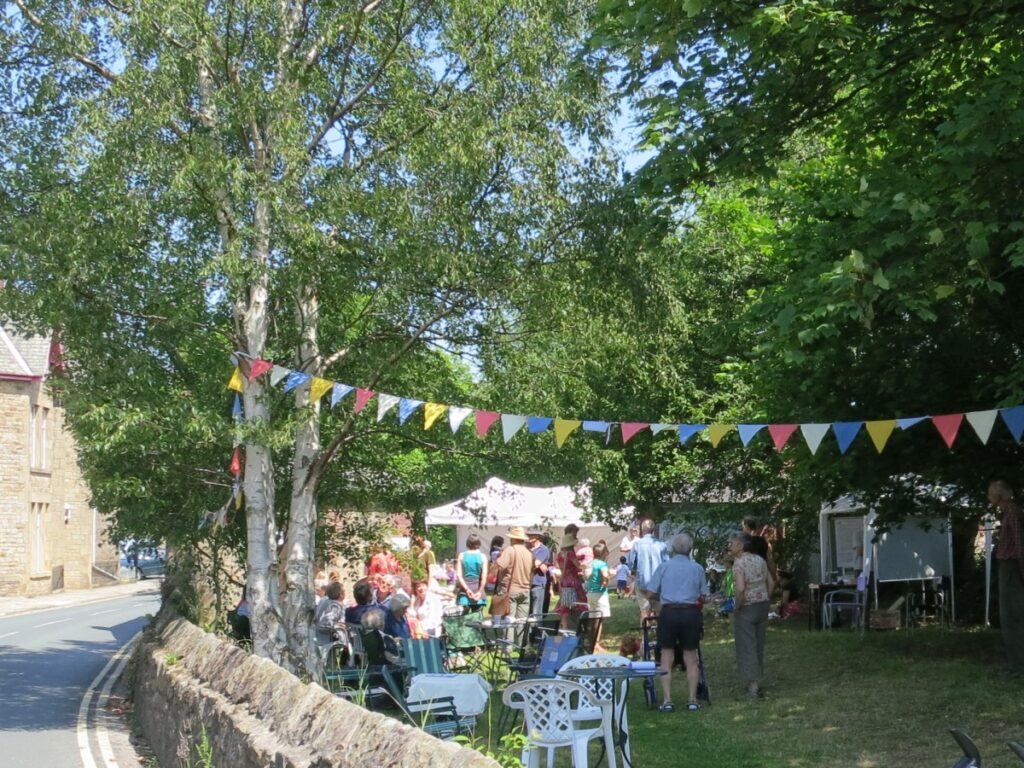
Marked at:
<point>13,606</point>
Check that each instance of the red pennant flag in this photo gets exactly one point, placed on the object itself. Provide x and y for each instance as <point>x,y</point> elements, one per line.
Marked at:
<point>630,428</point>
<point>781,433</point>
<point>236,461</point>
<point>484,420</point>
<point>948,425</point>
<point>258,367</point>
<point>363,396</point>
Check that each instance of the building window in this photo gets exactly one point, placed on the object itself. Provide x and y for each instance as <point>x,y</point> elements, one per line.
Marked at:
<point>39,438</point>
<point>39,514</point>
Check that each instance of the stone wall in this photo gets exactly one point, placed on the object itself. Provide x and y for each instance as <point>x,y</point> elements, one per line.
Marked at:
<point>257,715</point>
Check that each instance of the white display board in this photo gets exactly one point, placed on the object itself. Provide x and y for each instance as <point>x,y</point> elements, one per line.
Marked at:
<point>914,551</point>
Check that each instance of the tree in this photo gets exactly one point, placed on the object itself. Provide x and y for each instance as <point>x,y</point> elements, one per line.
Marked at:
<point>358,188</point>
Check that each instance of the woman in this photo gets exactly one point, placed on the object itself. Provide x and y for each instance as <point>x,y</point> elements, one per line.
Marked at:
<point>426,612</point>
<point>569,573</point>
<point>395,622</point>
<point>597,591</point>
<point>754,587</point>
<point>471,575</point>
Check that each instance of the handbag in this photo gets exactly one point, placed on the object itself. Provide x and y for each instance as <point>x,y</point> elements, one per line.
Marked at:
<point>500,605</point>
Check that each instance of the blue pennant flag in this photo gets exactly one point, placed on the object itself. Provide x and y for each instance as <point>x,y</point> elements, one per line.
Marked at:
<point>406,408</point>
<point>909,421</point>
<point>747,431</point>
<point>339,391</point>
<point>1014,420</point>
<point>686,431</point>
<point>295,379</point>
<point>596,426</point>
<point>845,432</point>
<point>536,424</point>
<point>236,409</point>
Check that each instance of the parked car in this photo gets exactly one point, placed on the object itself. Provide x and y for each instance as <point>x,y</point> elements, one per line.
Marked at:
<point>151,566</point>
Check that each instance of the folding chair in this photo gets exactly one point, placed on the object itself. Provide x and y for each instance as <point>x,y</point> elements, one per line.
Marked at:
<point>438,716</point>
<point>840,600</point>
<point>424,657</point>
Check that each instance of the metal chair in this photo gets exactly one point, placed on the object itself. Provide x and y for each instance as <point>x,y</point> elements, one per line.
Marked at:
<point>438,716</point>
<point>929,603</point>
<point>549,707</point>
<point>603,689</point>
<point>972,757</point>
<point>846,600</point>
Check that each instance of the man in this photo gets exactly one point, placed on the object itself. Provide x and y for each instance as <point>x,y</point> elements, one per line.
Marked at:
<point>539,595</point>
<point>678,584</point>
<point>1009,555</point>
<point>645,557</point>
<point>517,562</point>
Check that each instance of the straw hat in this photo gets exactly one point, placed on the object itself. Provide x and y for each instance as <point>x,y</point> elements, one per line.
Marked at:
<point>517,532</point>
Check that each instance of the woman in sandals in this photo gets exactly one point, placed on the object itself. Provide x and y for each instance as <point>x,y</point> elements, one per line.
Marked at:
<point>754,585</point>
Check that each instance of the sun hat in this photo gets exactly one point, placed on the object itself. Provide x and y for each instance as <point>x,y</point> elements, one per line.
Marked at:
<point>535,533</point>
<point>568,540</point>
<point>517,532</point>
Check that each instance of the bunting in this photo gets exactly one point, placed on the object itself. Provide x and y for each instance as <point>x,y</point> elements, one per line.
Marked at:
<point>880,431</point>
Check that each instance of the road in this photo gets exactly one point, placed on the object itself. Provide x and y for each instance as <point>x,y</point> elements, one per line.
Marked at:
<point>48,661</point>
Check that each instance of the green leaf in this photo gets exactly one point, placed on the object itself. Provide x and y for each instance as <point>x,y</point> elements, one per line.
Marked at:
<point>936,236</point>
<point>943,291</point>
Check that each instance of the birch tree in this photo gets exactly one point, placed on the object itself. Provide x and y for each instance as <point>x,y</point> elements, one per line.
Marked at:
<point>344,187</point>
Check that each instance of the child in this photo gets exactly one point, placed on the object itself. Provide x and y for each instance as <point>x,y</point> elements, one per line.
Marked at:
<point>585,554</point>
<point>621,578</point>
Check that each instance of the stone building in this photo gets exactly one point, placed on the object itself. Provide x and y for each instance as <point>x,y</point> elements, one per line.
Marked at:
<point>50,538</point>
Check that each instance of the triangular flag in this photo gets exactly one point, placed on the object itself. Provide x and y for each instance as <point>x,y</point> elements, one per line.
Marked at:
<point>385,403</point>
<point>537,424</point>
<point>1014,420</point>
<point>406,408</point>
<point>880,431</point>
<point>456,415</point>
<point>339,391</point>
<point>656,428</point>
<point>845,432</point>
<point>982,421</point>
<point>630,428</point>
<point>236,462</point>
<point>948,425</point>
<point>431,413</point>
<point>239,498</point>
<point>718,431</point>
<point>319,388</point>
<point>686,431</point>
<point>236,382</point>
<point>295,379</point>
<point>510,424</point>
<point>278,374</point>
<point>596,426</point>
<point>747,432</point>
<point>780,434</point>
<point>363,397</point>
<point>813,434</point>
<point>564,428</point>
<point>236,409</point>
<point>484,421</point>
<point>258,367</point>
<point>909,421</point>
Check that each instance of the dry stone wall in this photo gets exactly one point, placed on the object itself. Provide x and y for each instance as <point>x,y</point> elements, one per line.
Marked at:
<point>257,715</point>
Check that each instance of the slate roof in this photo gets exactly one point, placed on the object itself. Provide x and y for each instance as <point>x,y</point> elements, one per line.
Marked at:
<point>23,355</point>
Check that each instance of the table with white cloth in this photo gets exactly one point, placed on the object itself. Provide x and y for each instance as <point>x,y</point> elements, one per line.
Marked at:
<point>469,691</point>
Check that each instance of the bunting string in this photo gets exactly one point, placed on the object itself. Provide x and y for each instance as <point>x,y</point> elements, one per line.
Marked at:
<point>879,431</point>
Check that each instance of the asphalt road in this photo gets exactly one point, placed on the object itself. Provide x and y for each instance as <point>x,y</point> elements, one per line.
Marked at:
<point>48,660</point>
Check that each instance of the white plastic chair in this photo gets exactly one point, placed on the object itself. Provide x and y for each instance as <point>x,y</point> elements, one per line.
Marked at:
<point>549,708</point>
<point>603,689</point>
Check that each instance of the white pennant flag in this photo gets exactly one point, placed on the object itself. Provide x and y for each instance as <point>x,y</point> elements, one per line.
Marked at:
<point>385,403</point>
<point>982,422</point>
<point>456,415</point>
<point>510,425</point>
<point>278,374</point>
<point>656,428</point>
<point>814,434</point>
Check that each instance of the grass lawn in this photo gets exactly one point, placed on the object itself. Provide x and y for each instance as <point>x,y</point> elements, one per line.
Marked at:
<point>836,698</point>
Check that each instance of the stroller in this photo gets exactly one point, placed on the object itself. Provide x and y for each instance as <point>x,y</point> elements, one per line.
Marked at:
<point>652,652</point>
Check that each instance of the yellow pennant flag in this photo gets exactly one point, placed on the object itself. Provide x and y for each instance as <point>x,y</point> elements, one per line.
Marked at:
<point>431,413</point>
<point>236,381</point>
<point>718,431</point>
<point>318,388</point>
<point>564,428</point>
<point>880,431</point>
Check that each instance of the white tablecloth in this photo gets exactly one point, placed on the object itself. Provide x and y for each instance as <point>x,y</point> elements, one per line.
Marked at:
<point>469,690</point>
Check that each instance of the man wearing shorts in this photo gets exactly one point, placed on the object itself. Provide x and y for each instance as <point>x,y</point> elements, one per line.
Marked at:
<point>681,588</point>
